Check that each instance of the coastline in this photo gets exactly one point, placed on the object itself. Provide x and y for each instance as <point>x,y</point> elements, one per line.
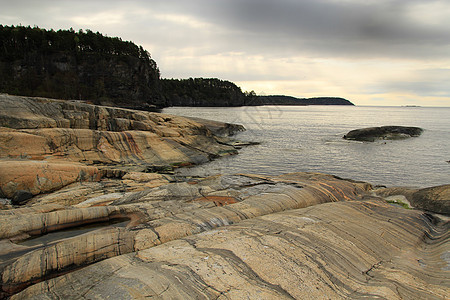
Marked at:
<point>70,164</point>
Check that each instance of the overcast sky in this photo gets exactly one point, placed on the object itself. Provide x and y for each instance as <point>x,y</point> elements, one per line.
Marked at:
<point>372,52</point>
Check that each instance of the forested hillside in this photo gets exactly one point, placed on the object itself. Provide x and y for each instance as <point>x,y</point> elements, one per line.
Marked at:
<point>84,65</point>
<point>77,65</point>
<point>202,92</point>
<point>288,100</point>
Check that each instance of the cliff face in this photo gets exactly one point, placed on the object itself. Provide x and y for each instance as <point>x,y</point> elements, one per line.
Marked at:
<point>126,82</point>
<point>71,65</point>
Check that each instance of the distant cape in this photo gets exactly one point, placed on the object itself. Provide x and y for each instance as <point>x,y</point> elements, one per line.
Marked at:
<point>289,100</point>
<point>89,66</point>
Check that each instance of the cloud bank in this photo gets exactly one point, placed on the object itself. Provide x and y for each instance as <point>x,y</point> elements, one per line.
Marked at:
<point>361,49</point>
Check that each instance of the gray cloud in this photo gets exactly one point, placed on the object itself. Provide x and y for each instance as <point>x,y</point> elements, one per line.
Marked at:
<point>430,82</point>
<point>285,27</point>
<point>362,28</point>
<point>251,36</point>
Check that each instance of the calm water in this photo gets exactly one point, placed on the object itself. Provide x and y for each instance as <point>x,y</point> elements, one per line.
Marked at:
<point>309,138</point>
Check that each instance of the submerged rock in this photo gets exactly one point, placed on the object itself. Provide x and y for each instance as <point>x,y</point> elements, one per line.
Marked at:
<point>371,134</point>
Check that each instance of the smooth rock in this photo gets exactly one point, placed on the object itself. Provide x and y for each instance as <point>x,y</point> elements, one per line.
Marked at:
<point>40,137</point>
<point>99,226</point>
<point>158,216</point>
<point>35,177</point>
<point>384,132</point>
<point>220,128</point>
<point>434,199</point>
<point>337,250</point>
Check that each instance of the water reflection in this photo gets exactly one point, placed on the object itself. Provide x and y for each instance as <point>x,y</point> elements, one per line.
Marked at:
<point>309,138</point>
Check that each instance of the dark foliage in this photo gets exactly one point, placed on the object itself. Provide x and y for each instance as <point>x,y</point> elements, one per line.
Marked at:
<point>202,92</point>
<point>288,100</point>
<point>77,65</point>
<point>66,64</point>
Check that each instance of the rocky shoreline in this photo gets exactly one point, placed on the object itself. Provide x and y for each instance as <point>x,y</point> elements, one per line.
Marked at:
<point>48,144</point>
<point>89,217</point>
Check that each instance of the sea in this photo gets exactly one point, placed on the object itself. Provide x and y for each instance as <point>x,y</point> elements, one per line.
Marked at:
<point>310,139</point>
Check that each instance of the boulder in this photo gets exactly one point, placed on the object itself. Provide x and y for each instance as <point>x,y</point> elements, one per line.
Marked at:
<point>371,134</point>
<point>433,199</point>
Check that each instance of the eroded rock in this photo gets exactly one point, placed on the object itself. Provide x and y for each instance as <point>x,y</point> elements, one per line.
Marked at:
<point>35,177</point>
<point>337,250</point>
<point>299,235</point>
<point>159,215</point>
<point>47,144</point>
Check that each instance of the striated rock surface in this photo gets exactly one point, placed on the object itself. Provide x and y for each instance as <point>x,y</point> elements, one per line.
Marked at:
<point>337,250</point>
<point>96,223</point>
<point>43,137</point>
<point>219,128</point>
<point>156,216</point>
<point>40,176</point>
<point>384,133</point>
<point>230,236</point>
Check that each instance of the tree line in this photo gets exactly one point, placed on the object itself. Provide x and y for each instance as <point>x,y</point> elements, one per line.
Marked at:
<point>202,92</point>
<point>18,41</point>
<point>69,64</point>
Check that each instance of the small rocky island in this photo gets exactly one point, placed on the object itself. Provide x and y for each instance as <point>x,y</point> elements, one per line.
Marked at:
<point>372,134</point>
<point>91,209</point>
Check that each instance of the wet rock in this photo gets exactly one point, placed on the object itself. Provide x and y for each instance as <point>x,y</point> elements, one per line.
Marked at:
<point>434,199</point>
<point>21,196</point>
<point>384,132</point>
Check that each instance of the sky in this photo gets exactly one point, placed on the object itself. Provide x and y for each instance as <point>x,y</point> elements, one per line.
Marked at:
<point>372,52</point>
